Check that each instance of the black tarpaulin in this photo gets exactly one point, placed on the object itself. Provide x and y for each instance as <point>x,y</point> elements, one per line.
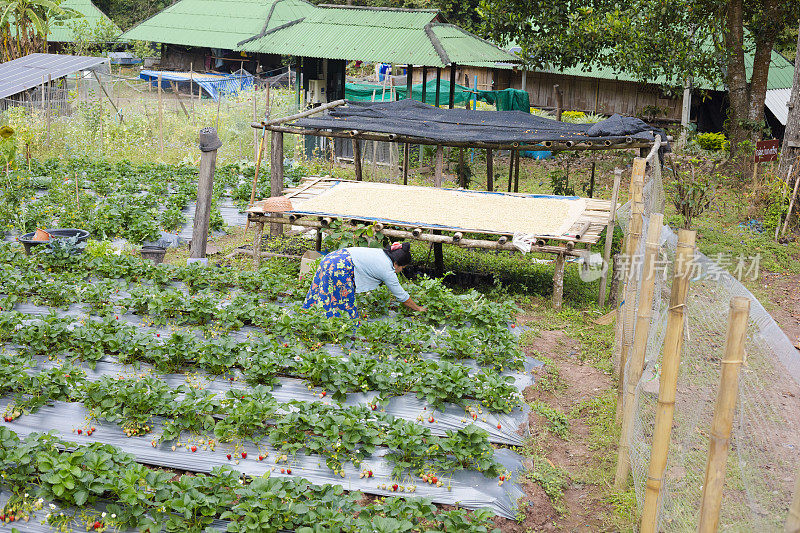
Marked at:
<point>415,119</point>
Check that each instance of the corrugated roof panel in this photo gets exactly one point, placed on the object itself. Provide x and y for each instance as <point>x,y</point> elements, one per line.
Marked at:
<point>777,101</point>
<point>376,18</point>
<point>215,23</point>
<point>62,33</point>
<point>27,72</point>
<point>464,48</point>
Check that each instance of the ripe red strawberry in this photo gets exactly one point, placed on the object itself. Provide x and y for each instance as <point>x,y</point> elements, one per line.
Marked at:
<point>499,426</point>
<point>323,393</point>
<point>394,487</point>
<point>513,325</point>
<point>288,470</point>
<point>80,431</point>
<point>194,448</point>
<point>2,517</point>
<point>93,429</point>
<point>502,478</point>
<point>158,334</point>
<point>11,518</point>
<point>244,455</point>
<point>97,525</point>
<point>283,470</point>
<point>434,480</point>
<point>116,317</point>
<point>430,420</point>
<point>228,456</point>
<point>260,457</point>
<point>285,344</point>
<point>374,406</point>
<point>369,473</point>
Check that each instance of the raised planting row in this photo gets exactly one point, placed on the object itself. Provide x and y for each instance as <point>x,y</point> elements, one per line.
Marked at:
<point>262,360</point>
<point>340,434</point>
<point>117,199</point>
<point>49,478</point>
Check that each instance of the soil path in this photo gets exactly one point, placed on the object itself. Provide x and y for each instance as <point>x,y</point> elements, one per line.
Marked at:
<point>583,507</point>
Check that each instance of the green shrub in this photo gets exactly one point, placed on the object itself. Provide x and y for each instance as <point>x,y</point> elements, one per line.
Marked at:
<point>713,142</point>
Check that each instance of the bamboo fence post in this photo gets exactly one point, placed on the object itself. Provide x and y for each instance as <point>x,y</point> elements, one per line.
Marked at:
<point>629,287</point>
<point>42,102</point>
<point>516,171</point>
<point>160,118</point>
<point>510,169</point>
<point>191,86</point>
<point>406,161</point>
<point>178,98</point>
<point>723,415</point>
<point>612,218</point>
<point>791,206</point>
<point>668,382</point>
<point>374,150</point>
<point>793,518</point>
<point>641,334</point>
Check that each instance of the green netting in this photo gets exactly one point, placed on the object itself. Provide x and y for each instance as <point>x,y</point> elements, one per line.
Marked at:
<point>506,100</point>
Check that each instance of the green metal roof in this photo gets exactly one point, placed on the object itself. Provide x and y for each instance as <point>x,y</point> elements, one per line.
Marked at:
<point>216,23</point>
<point>781,73</point>
<point>298,28</point>
<point>62,33</point>
<point>387,35</point>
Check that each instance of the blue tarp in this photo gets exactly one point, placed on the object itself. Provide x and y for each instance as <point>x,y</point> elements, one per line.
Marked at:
<point>212,84</point>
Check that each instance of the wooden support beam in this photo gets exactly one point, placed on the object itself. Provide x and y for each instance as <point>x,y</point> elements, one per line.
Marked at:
<point>452,98</point>
<point>558,282</point>
<point>516,169</point>
<point>406,162</point>
<point>276,174</point>
<point>612,217</point>
<point>357,159</point>
<point>437,178</point>
<point>205,186</point>
<point>559,101</point>
<point>438,85</point>
<point>489,170</point>
<point>301,114</point>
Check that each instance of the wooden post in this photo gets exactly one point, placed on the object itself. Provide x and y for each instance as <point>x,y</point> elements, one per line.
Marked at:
<point>630,285</point>
<point>612,216</point>
<point>793,518</point>
<point>357,158</point>
<point>643,317</point>
<point>791,206</point>
<point>558,282</point>
<point>516,169</point>
<point>191,86</point>
<point>406,162</point>
<point>462,175</point>
<point>259,231</point>
<point>49,103</point>
<point>489,170</point>
<point>668,382</point>
<point>209,143</point>
<point>410,81</point>
<point>43,91</point>
<point>686,105</point>
<point>559,101</point>
<point>591,181</point>
<point>255,117</point>
<point>723,415</point>
<point>437,178</point>
<point>452,99</point>
<point>424,96</point>
<point>783,196</point>
<point>276,174</point>
<point>160,118</point>
<point>510,168</point>
<point>438,85</point>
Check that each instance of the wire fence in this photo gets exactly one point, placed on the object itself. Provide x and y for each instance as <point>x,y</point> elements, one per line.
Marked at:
<point>764,459</point>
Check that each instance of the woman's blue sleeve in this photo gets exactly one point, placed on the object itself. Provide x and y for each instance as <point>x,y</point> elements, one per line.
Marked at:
<point>393,284</point>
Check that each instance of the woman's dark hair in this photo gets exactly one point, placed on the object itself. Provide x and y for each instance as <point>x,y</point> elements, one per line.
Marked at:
<point>400,254</point>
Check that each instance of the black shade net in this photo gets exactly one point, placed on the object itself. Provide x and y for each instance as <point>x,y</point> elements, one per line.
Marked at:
<point>416,119</point>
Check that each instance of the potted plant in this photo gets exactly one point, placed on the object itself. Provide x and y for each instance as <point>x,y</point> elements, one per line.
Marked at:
<point>155,251</point>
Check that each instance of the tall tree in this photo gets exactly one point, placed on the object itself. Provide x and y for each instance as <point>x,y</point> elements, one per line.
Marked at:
<point>24,25</point>
<point>656,40</point>
<point>790,151</point>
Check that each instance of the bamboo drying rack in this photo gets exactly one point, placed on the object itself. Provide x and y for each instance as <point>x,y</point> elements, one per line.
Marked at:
<point>584,232</point>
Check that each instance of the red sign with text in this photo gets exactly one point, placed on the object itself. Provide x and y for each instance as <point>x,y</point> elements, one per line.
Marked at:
<point>767,150</point>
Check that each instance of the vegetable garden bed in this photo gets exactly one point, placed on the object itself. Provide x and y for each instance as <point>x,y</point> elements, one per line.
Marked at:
<point>219,372</point>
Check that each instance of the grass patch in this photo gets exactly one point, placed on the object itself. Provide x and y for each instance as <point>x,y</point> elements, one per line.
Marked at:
<point>553,479</point>
<point>557,422</point>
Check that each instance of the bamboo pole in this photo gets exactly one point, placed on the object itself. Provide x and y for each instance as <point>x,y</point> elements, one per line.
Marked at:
<point>783,195</point>
<point>791,206</point>
<point>49,103</point>
<point>612,218</point>
<point>516,170</point>
<point>255,116</point>
<point>723,415</point>
<point>191,86</point>
<point>629,288</point>
<point>641,334</point>
<point>357,159</point>
<point>160,118</point>
<point>668,383</point>
<point>793,518</point>
<point>489,170</point>
<point>178,98</point>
